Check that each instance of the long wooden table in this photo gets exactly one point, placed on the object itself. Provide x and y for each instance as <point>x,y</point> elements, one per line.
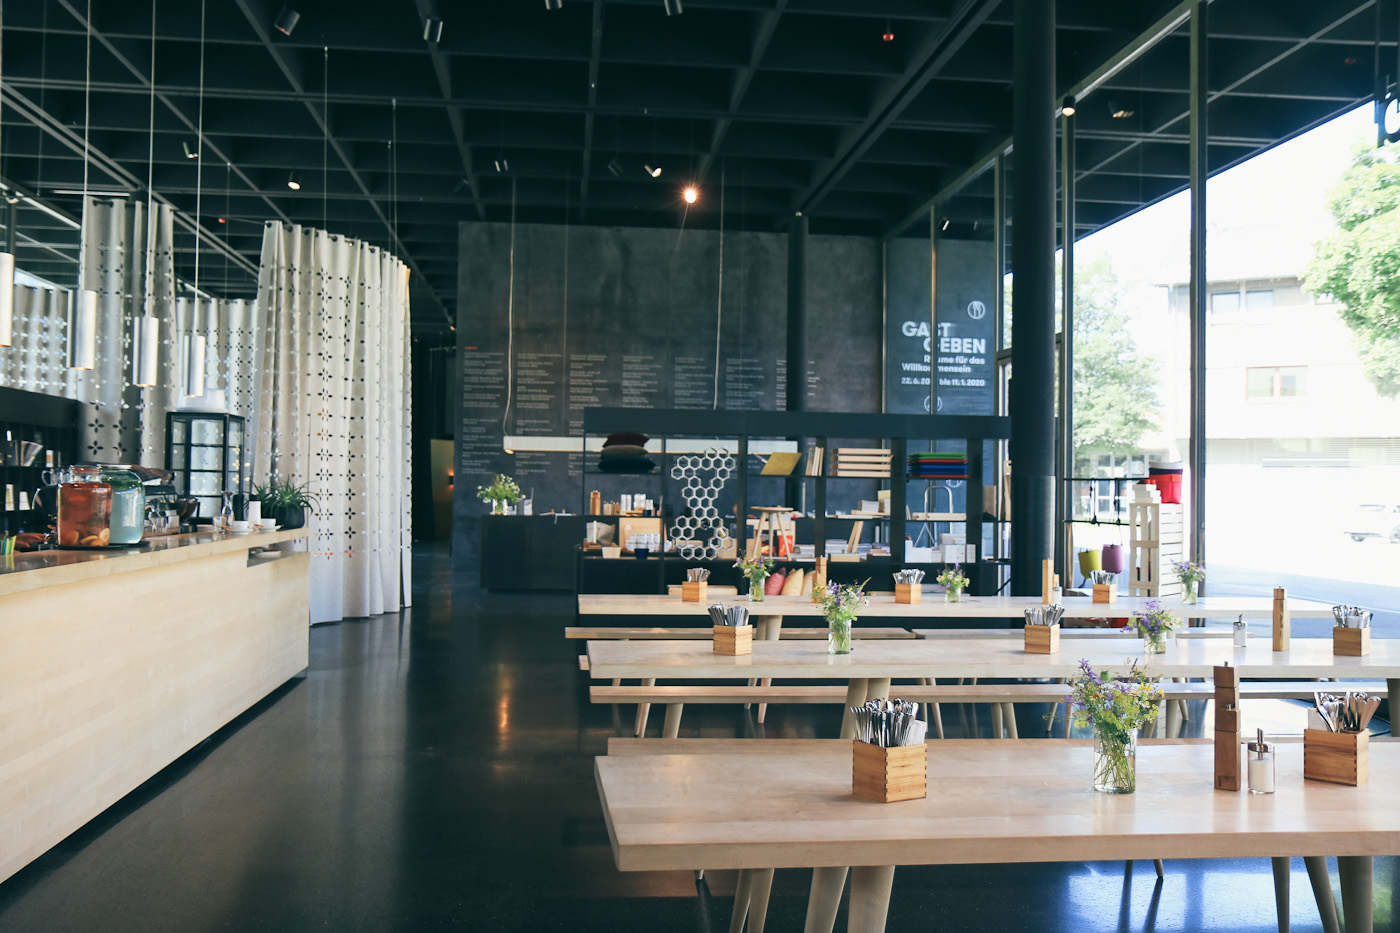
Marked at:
<point>870,667</point>
<point>988,803</point>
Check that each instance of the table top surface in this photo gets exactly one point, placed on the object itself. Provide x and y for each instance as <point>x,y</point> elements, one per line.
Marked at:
<point>36,569</point>
<point>882,605</point>
<point>789,805</point>
<point>984,657</point>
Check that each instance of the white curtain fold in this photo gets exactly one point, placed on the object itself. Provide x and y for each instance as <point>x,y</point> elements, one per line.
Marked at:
<point>37,361</point>
<point>332,409</point>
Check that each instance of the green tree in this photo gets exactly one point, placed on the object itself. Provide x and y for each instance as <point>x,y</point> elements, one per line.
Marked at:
<point>1115,384</point>
<point>1359,265</point>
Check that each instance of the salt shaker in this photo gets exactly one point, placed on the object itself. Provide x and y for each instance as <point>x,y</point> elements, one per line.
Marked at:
<point>1241,632</point>
<point>1261,766</point>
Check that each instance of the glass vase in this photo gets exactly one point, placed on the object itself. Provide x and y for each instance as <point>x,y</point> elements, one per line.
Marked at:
<point>838,635</point>
<point>498,506</point>
<point>1154,644</point>
<point>756,585</point>
<point>1115,763</point>
<point>1189,592</point>
<point>951,595</point>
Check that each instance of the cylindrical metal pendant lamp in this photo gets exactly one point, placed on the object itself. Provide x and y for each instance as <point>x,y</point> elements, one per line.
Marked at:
<point>195,347</point>
<point>82,329</point>
<point>145,350</point>
<point>7,299</point>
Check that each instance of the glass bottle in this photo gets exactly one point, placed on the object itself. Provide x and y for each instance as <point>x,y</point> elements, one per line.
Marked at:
<point>226,513</point>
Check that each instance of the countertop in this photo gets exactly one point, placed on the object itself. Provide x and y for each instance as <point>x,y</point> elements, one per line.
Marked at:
<point>36,569</point>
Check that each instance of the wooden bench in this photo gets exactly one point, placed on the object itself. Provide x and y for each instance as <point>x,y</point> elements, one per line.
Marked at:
<point>688,633</point>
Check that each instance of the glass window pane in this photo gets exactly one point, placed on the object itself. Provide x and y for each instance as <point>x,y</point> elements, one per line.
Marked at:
<point>1259,382</point>
<point>1224,302</point>
<point>1259,298</point>
<point>178,432</point>
<point>1292,381</point>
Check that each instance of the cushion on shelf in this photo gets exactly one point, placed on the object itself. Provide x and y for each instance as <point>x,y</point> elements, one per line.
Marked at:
<point>774,584</point>
<point>627,465</point>
<point>792,586</point>
<point>626,437</point>
<point>622,450</point>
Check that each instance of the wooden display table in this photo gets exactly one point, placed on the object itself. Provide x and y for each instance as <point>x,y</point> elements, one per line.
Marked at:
<point>115,663</point>
<point>988,803</point>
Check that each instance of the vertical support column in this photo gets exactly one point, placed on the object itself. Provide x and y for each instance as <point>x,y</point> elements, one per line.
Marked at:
<point>1064,506</point>
<point>1199,292</point>
<point>1033,263</point>
<point>797,314</point>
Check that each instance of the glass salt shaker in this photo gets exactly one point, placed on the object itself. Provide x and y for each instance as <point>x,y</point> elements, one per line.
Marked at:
<point>1261,766</point>
<point>1241,632</point>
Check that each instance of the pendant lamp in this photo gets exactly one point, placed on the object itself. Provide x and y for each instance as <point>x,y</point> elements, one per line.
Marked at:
<point>82,329</point>
<point>145,327</point>
<point>7,299</point>
<point>145,350</point>
<point>195,349</point>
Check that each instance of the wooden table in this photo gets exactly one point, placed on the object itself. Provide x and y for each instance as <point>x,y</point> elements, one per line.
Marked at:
<point>869,668</point>
<point>989,803</point>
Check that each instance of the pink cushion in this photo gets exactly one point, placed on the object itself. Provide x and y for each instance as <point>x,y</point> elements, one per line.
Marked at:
<point>774,585</point>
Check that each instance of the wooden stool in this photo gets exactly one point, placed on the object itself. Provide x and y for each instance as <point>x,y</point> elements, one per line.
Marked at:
<point>772,520</point>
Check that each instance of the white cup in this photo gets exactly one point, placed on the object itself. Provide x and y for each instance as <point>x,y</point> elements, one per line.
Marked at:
<point>238,526</point>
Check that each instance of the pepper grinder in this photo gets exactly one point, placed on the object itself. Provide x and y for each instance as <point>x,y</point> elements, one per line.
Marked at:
<point>1241,632</point>
<point>1261,766</point>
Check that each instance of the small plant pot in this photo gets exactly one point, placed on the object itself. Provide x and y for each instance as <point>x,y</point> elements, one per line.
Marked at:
<point>290,516</point>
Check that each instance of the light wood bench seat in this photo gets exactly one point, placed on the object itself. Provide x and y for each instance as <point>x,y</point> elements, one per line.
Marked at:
<point>696,632</point>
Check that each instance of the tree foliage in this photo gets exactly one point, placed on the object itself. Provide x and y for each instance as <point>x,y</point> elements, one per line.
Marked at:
<point>1115,384</point>
<point>1359,265</point>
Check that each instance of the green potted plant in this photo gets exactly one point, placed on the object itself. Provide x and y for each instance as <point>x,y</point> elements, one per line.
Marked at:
<point>500,491</point>
<point>285,502</point>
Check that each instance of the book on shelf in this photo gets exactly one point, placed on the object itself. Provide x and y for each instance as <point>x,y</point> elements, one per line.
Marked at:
<point>814,460</point>
<point>781,463</point>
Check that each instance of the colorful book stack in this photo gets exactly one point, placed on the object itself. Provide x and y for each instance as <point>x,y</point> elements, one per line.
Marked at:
<point>937,466</point>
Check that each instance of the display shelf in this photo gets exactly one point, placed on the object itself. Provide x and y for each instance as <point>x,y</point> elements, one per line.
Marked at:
<point>29,418</point>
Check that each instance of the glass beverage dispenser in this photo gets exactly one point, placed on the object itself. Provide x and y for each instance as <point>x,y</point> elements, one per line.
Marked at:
<point>84,508</point>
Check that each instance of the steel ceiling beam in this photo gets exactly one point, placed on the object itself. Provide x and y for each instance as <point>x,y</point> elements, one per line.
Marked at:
<point>763,35</point>
<point>442,69</point>
<point>595,55</point>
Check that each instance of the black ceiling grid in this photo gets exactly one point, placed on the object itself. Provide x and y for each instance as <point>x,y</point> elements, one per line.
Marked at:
<point>803,103</point>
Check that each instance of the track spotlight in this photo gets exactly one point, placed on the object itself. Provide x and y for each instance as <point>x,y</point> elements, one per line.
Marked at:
<point>189,153</point>
<point>888,34</point>
<point>673,7</point>
<point>554,4</point>
<point>1119,113</point>
<point>690,194</point>
<point>616,168</point>
<point>502,166</point>
<point>432,29</point>
<point>1067,108</point>
<point>946,221</point>
<point>286,21</point>
<point>294,182</point>
<point>654,172</point>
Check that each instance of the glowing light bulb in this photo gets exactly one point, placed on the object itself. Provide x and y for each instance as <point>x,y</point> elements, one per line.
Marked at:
<point>690,194</point>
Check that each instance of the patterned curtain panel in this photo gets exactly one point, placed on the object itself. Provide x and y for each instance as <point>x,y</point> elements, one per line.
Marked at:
<point>38,361</point>
<point>332,409</point>
<point>126,423</point>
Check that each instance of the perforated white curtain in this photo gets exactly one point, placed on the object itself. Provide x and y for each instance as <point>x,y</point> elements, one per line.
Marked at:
<point>333,409</point>
<point>37,360</point>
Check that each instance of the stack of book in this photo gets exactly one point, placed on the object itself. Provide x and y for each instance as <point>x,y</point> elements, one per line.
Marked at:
<point>937,466</point>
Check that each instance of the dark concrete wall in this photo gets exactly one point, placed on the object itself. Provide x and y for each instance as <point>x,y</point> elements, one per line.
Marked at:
<point>624,317</point>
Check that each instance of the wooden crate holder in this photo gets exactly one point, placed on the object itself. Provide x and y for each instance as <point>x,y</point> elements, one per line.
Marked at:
<point>870,462</point>
<point>889,774</point>
<point>1336,757</point>
<point>1156,538</point>
<point>1042,639</point>
<point>695,591</point>
<point>1351,642</point>
<point>1106,593</point>
<point>733,640</point>
<point>911,594</point>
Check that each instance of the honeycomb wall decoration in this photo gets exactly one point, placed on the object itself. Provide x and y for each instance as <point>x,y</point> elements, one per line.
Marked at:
<point>702,477</point>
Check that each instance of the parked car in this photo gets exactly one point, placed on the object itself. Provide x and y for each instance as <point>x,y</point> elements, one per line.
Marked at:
<point>1374,520</point>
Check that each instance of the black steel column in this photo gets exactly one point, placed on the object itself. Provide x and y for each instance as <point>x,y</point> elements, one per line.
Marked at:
<point>1033,303</point>
<point>1064,501</point>
<point>797,315</point>
<point>1199,293</point>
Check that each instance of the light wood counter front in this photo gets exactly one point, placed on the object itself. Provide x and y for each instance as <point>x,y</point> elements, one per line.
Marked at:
<point>114,664</point>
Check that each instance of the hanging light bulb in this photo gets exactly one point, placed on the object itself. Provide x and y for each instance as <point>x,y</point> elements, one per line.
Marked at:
<point>690,194</point>
<point>7,299</point>
<point>145,350</point>
<point>82,329</point>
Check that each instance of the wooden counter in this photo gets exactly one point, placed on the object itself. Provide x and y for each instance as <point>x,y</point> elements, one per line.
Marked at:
<point>113,664</point>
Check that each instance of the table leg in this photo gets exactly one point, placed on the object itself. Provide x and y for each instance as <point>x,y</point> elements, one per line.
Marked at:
<point>870,898</point>
<point>996,711</point>
<point>758,898</point>
<point>672,727</point>
<point>855,696</point>
<point>743,889</point>
<point>644,709</point>
<point>769,629</point>
<point>1009,715</point>
<point>1355,872</point>
<point>877,687</point>
<point>825,898</point>
<point>1322,892</point>
<point>1281,867</point>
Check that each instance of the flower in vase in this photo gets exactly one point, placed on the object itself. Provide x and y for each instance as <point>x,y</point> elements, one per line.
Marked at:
<point>1154,623</point>
<point>953,578</point>
<point>1189,572</point>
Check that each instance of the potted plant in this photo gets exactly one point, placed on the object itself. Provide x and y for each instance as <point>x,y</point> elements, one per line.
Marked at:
<point>1116,708</point>
<point>285,502</point>
<point>501,490</point>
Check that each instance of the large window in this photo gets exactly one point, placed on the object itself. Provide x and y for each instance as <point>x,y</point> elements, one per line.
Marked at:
<point>1224,302</point>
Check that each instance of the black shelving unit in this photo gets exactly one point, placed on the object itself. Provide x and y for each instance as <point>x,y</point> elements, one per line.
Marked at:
<point>207,452</point>
<point>30,418</point>
<point>740,428</point>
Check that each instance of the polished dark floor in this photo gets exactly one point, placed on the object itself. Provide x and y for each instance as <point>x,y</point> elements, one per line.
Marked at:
<point>433,771</point>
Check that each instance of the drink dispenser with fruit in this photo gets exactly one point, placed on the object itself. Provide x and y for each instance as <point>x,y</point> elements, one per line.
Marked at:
<point>84,508</point>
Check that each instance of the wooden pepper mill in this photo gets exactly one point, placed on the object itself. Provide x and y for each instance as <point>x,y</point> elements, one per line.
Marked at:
<point>818,579</point>
<point>1227,728</point>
